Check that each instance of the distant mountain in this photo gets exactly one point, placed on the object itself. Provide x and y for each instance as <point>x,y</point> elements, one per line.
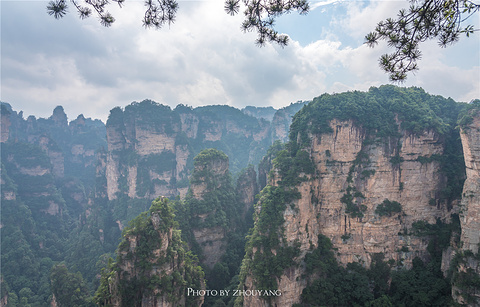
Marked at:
<point>260,112</point>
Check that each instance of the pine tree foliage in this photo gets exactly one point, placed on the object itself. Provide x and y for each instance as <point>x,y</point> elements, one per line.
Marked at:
<point>158,13</point>
<point>260,16</point>
<point>423,20</point>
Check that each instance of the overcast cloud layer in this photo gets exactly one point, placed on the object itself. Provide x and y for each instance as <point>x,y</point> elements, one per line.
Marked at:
<point>204,58</point>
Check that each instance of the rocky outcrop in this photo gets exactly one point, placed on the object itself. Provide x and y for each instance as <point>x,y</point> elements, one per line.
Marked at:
<point>152,268</point>
<point>59,117</point>
<point>4,124</point>
<point>356,238</point>
<point>282,119</point>
<point>70,146</point>
<point>151,136</point>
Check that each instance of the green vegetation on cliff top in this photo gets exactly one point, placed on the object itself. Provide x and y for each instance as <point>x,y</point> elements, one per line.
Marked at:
<point>378,111</point>
<point>382,113</point>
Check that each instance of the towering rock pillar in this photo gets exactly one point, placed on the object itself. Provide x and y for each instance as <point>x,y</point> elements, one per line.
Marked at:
<point>470,217</point>
<point>360,170</point>
<point>209,205</point>
<point>152,269</point>
<point>59,117</point>
<point>465,288</point>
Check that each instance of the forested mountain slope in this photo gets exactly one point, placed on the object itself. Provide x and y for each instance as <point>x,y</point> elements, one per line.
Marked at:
<point>364,203</point>
<point>69,188</point>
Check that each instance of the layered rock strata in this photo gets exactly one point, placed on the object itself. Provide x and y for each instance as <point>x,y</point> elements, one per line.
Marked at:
<point>469,265</point>
<point>320,208</point>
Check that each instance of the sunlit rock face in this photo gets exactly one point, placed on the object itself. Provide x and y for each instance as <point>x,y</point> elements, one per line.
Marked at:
<point>349,157</point>
<point>470,216</point>
<point>320,208</point>
<point>469,266</point>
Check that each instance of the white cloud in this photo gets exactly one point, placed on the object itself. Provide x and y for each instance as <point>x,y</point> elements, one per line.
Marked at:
<point>203,58</point>
<point>362,19</point>
<point>317,4</point>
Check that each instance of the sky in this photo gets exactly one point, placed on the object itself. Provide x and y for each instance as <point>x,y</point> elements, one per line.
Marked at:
<point>204,58</point>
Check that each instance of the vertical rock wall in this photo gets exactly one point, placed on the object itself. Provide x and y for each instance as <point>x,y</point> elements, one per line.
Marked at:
<point>470,206</point>
<point>468,267</point>
<point>398,169</point>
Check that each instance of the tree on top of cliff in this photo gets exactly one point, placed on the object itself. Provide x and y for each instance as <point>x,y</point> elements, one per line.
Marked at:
<point>208,156</point>
<point>425,19</point>
<point>465,118</point>
<point>379,111</point>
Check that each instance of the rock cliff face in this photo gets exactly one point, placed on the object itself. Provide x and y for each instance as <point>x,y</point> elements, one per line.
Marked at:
<point>152,268</point>
<point>151,136</point>
<point>464,291</point>
<point>147,134</point>
<point>282,119</point>
<point>70,146</point>
<point>320,208</point>
<point>247,189</point>
<point>208,205</point>
<point>470,216</point>
<point>347,194</point>
<point>410,183</point>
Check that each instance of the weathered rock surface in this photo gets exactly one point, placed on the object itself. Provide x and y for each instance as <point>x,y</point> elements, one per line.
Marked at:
<point>470,206</point>
<point>135,137</point>
<point>167,138</point>
<point>470,215</point>
<point>282,119</point>
<point>212,241</point>
<point>343,159</point>
<point>247,189</point>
